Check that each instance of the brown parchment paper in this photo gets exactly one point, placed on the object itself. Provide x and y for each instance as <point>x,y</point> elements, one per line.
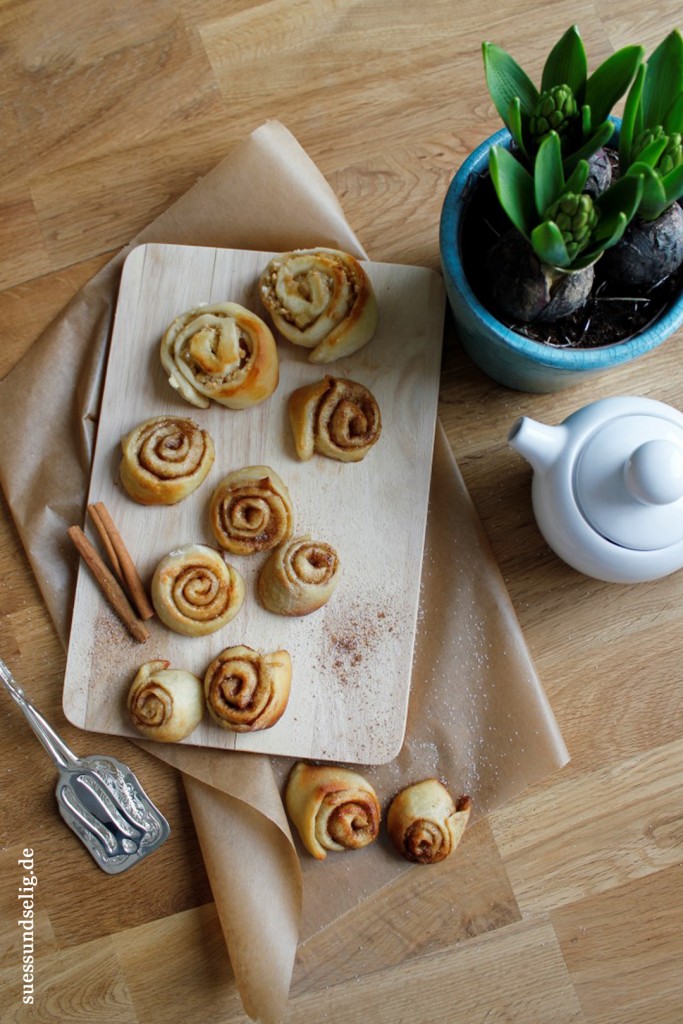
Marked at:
<point>478,715</point>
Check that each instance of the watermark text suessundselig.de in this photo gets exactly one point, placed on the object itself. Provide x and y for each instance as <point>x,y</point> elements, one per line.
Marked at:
<point>26,922</point>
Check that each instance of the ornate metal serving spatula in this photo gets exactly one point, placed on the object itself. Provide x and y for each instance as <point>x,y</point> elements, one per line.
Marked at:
<point>99,798</point>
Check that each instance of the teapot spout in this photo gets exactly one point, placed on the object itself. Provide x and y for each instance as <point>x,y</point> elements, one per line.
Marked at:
<point>540,444</point>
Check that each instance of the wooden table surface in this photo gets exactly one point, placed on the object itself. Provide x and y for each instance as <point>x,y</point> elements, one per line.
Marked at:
<point>566,905</point>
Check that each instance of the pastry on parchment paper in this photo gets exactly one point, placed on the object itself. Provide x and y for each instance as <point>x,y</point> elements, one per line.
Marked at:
<point>425,824</point>
<point>333,809</point>
<point>299,576</point>
<point>195,591</point>
<point>165,459</point>
<point>335,417</point>
<point>222,353</point>
<point>251,511</point>
<point>246,690</point>
<point>164,703</point>
<point>321,299</point>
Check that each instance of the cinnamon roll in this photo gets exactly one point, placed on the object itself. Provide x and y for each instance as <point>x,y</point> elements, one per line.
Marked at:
<point>251,511</point>
<point>164,703</point>
<point>332,808</point>
<point>299,576</point>
<point>195,592</point>
<point>321,299</point>
<point>246,690</point>
<point>424,823</point>
<point>335,417</point>
<point>223,353</point>
<point>165,459</point>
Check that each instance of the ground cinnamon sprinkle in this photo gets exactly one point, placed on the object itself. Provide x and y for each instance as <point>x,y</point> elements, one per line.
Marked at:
<point>359,636</point>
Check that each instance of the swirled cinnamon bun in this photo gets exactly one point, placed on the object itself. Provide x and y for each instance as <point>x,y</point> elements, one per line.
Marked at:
<point>425,824</point>
<point>165,459</point>
<point>321,299</point>
<point>164,703</point>
<point>195,592</point>
<point>299,576</point>
<point>251,511</point>
<point>222,353</point>
<point>332,808</point>
<point>335,417</point>
<point>246,690</point>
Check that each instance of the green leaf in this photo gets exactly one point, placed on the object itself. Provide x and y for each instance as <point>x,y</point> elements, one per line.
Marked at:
<point>664,79</point>
<point>548,244</point>
<point>599,139</point>
<point>591,254</point>
<point>651,154</point>
<point>577,180</point>
<point>505,79</point>
<point>621,199</point>
<point>548,176</point>
<point>566,64</point>
<point>609,82</point>
<point>630,122</point>
<point>586,120</point>
<point>653,200</point>
<point>515,125</point>
<point>673,119</point>
<point>514,187</point>
<point>673,185</point>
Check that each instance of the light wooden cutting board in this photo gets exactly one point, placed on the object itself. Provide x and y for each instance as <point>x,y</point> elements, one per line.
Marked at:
<point>352,659</point>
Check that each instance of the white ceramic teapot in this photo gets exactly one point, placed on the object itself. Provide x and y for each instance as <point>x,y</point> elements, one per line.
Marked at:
<point>607,489</point>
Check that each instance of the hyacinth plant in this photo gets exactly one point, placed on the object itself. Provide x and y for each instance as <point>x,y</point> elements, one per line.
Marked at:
<point>554,219</point>
<point>567,229</point>
<point>651,147</point>
<point>570,102</point>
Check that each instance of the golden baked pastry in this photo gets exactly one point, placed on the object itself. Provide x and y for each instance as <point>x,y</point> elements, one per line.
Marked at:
<point>321,299</point>
<point>246,690</point>
<point>299,576</point>
<point>222,353</point>
<point>335,417</point>
<point>332,808</point>
<point>424,823</point>
<point>251,511</point>
<point>195,591</point>
<point>165,459</point>
<point>165,703</point>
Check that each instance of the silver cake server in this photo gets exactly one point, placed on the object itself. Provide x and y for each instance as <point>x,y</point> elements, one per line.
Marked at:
<point>99,798</point>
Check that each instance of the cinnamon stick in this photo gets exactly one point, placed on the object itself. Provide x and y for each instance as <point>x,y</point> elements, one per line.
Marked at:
<point>106,542</point>
<point>108,584</point>
<point>123,564</point>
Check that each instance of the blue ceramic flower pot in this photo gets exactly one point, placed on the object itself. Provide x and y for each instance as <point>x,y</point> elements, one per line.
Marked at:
<point>507,357</point>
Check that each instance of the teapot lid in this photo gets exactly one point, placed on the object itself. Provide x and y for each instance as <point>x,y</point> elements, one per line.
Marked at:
<point>629,481</point>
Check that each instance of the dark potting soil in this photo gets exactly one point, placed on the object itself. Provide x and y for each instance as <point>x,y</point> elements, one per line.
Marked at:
<point>609,316</point>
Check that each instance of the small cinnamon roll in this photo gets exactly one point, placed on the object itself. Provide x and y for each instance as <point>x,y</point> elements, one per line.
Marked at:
<point>222,353</point>
<point>335,417</point>
<point>164,703</point>
<point>299,576</point>
<point>246,690</point>
<point>424,823</point>
<point>165,459</point>
<point>321,299</point>
<point>332,808</point>
<point>251,511</point>
<point>195,592</point>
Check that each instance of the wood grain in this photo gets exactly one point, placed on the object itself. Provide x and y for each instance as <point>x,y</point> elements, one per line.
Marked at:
<point>565,906</point>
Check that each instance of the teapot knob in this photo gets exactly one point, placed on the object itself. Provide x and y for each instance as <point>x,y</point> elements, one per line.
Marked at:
<point>654,472</point>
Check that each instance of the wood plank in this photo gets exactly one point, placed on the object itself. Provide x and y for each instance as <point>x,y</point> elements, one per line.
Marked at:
<point>624,948</point>
<point>108,112</point>
<point>598,831</point>
<point>517,974</point>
